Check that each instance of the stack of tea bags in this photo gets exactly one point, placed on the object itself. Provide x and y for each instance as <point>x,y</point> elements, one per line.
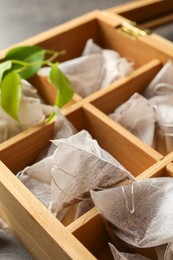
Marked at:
<point>151,115</point>
<point>75,165</point>
<point>95,69</point>
<point>140,214</point>
<point>9,246</point>
<point>32,111</point>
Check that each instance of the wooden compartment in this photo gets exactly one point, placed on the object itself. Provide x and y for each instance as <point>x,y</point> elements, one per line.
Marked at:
<point>97,241</point>
<point>85,238</point>
<point>26,216</point>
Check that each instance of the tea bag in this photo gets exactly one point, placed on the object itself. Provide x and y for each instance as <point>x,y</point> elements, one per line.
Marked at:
<point>80,164</point>
<point>164,115</point>
<point>37,177</point>
<point>40,170</point>
<point>38,186</point>
<point>63,128</point>
<point>95,69</point>
<point>125,256</point>
<point>31,112</point>
<point>141,213</point>
<point>162,84</point>
<point>137,116</point>
<point>10,249</point>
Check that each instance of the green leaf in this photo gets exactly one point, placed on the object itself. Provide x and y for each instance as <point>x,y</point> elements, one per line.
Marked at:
<point>4,66</point>
<point>51,116</point>
<point>30,54</point>
<point>11,92</point>
<point>61,82</point>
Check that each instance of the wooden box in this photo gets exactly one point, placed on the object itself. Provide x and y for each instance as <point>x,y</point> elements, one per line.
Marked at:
<point>85,238</point>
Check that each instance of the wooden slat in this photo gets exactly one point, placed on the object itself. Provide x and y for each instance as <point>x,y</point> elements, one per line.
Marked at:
<point>142,11</point>
<point>39,231</point>
<point>24,147</point>
<point>158,22</point>
<point>109,98</point>
<point>169,169</point>
<point>159,169</point>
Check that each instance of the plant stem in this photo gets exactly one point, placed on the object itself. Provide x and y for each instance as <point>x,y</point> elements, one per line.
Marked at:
<point>48,61</point>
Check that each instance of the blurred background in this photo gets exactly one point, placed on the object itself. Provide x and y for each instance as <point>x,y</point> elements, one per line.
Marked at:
<point>21,19</point>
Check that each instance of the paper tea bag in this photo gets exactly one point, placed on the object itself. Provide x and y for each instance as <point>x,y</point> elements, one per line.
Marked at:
<point>164,115</point>
<point>80,164</point>
<point>63,128</point>
<point>37,177</point>
<point>125,256</point>
<point>137,116</point>
<point>95,69</point>
<point>141,213</point>
<point>31,112</point>
<point>10,247</point>
<point>162,84</point>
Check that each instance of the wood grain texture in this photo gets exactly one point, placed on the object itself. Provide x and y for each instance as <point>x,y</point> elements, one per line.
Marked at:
<point>40,232</point>
<point>141,11</point>
<point>158,22</point>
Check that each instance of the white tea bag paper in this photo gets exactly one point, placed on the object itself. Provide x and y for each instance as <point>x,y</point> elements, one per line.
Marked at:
<point>125,256</point>
<point>95,69</point>
<point>141,212</point>
<point>79,165</point>
<point>137,116</point>
<point>37,177</point>
<point>31,112</point>
<point>164,116</point>
<point>162,84</point>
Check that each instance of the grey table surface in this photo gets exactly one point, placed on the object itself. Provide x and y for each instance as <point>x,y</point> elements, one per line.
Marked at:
<point>21,19</point>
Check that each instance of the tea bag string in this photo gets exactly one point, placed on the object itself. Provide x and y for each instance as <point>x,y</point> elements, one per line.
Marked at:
<point>160,85</point>
<point>130,208</point>
<point>62,190</point>
<point>78,179</point>
<point>155,107</point>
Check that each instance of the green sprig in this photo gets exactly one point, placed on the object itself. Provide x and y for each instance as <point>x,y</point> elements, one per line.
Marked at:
<point>23,63</point>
